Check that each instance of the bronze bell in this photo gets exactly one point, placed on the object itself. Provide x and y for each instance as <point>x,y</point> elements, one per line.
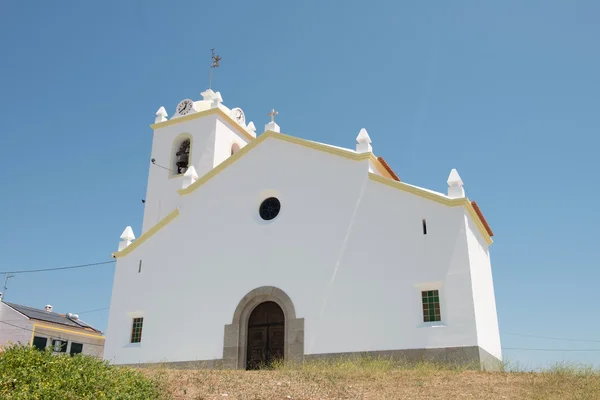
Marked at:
<point>182,160</point>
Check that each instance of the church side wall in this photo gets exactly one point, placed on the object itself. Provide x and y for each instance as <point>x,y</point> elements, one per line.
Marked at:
<point>488,335</point>
<point>19,330</point>
<point>349,252</point>
<point>161,193</point>
<point>374,300</point>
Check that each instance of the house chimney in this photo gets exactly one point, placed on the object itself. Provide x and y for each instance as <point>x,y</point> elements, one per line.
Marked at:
<point>48,308</point>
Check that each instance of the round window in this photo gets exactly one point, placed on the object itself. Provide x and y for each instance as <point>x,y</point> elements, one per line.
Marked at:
<point>269,208</point>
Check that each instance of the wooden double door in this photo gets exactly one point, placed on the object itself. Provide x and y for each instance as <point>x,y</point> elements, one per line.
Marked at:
<point>266,333</point>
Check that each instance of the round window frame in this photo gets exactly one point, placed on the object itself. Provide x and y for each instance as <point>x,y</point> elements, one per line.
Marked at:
<point>262,204</point>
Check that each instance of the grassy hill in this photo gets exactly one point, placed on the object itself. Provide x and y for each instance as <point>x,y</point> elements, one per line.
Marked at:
<point>26,373</point>
<point>378,379</point>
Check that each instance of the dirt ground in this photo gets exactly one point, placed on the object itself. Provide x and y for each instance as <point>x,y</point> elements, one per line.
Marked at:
<point>368,384</point>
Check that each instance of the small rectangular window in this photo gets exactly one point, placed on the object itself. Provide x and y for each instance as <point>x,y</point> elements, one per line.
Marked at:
<point>424,227</point>
<point>76,348</point>
<point>39,342</point>
<point>431,306</point>
<point>140,267</point>
<point>136,330</point>
<point>60,346</point>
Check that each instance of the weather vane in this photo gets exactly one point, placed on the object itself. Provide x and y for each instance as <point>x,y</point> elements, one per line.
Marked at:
<point>214,64</point>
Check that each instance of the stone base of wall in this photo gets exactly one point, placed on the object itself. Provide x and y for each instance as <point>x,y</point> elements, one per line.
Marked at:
<point>472,357</point>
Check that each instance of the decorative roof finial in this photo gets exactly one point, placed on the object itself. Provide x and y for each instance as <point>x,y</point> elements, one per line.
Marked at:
<point>272,114</point>
<point>126,238</point>
<point>363,142</point>
<point>455,185</point>
<point>272,126</point>
<point>161,115</point>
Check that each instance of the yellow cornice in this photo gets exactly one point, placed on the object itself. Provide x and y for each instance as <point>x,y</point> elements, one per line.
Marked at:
<point>386,180</point>
<point>146,235</point>
<point>201,114</point>
<point>71,331</point>
<point>437,198</point>
<point>280,136</point>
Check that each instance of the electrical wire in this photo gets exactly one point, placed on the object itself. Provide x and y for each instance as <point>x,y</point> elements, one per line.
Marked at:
<point>26,271</point>
<point>553,338</point>
<point>529,349</point>
<point>91,311</point>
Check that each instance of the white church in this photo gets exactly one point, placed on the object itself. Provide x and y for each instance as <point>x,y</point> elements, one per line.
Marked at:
<point>263,247</point>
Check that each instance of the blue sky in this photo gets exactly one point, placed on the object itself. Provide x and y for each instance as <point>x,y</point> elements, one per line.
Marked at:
<point>506,92</point>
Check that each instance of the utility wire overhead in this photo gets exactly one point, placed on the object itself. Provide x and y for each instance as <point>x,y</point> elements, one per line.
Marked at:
<point>553,338</point>
<point>26,271</point>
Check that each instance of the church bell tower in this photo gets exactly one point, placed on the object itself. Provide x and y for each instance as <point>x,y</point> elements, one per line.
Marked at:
<point>198,137</point>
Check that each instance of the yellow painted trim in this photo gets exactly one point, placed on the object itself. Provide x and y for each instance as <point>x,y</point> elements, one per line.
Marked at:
<point>280,136</point>
<point>437,198</point>
<point>320,147</point>
<point>179,140</point>
<point>201,114</point>
<point>97,336</point>
<point>163,222</point>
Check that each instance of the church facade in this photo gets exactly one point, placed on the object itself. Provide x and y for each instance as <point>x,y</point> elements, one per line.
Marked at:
<point>255,248</point>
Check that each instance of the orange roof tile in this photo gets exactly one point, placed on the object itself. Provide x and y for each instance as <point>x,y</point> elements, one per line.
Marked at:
<point>482,218</point>
<point>388,169</point>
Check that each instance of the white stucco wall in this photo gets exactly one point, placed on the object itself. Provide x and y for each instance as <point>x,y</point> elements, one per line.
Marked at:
<point>15,327</point>
<point>483,291</point>
<point>350,252</point>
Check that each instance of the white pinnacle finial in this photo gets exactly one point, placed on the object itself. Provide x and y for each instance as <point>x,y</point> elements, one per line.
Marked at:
<point>126,238</point>
<point>161,115</point>
<point>363,142</point>
<point>189,177</point>
<point>455,185</point>
<point>251,128</point>
<point>207,94</point>
<point>216,100</point>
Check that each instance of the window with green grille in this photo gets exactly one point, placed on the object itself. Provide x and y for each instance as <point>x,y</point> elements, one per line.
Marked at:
<point>136,331</point>
<point>431,305</point>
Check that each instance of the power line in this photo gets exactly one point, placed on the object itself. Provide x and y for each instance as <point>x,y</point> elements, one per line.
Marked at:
<point>553,338</point>
<point>522,348</point>
<point>57,268</point>
<point>91,311</point>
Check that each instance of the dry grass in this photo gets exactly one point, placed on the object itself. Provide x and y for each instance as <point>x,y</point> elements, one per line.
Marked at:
<point>378,379</point>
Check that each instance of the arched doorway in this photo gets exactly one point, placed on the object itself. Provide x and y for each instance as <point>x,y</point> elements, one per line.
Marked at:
<point>266,335</point>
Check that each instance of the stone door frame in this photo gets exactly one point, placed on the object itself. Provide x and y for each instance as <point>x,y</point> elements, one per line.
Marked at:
<point>235,335</point>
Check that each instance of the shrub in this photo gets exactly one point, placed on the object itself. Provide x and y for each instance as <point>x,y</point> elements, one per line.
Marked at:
<point>27,373</point>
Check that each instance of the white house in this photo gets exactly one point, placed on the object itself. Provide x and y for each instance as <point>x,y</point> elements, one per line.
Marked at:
<point>274,246</point>
<point>65,333</point>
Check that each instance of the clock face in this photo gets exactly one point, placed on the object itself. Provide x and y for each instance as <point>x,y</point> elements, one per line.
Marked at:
<point>185,106</point>
<point>238,115</point>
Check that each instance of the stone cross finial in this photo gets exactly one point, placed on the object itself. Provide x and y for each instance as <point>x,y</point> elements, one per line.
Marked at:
<point>161,115</point>
<point>363,142</point>
<point>272,114</point>
<point>272,126</point>
<point>455,185</point>
<point>126,238</point>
